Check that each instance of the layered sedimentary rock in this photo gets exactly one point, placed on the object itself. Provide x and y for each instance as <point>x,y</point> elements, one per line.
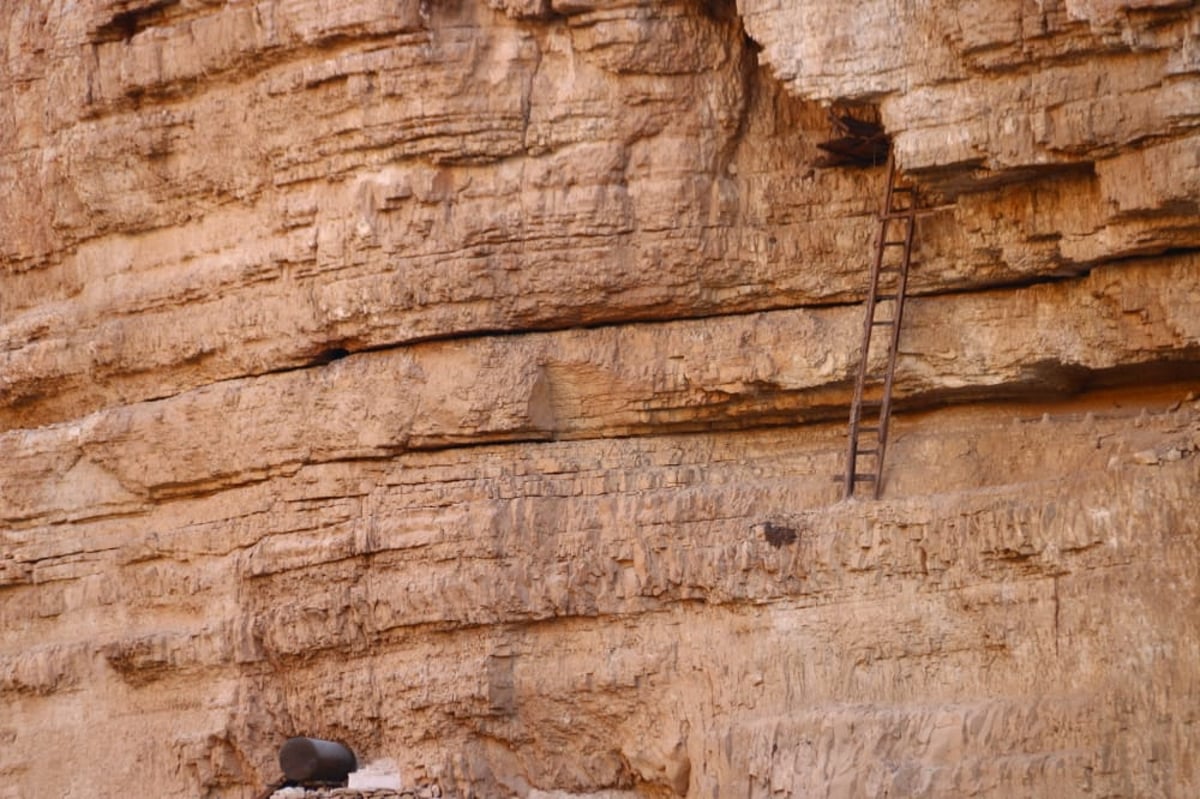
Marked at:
<point>465,381</point>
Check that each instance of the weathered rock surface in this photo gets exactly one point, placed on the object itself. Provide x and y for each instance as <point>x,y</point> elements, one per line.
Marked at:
<point>465,380</point>
<point>553,615</point>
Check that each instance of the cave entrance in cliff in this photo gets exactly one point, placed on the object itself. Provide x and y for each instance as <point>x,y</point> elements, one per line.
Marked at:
<point>857,137</point>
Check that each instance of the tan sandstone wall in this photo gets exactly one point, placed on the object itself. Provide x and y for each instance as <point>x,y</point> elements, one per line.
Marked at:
<point>465,380</point>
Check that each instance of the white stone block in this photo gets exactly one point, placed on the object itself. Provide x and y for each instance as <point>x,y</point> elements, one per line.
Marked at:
<point>379,774</point>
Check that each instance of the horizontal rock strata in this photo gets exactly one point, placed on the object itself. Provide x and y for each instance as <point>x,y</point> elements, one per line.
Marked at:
<point>628,565</point>
<point>634,190</point>
<point>768,368</point>
<point>466,381</point>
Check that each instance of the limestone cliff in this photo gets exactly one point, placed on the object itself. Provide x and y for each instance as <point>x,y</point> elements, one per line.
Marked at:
<point>465,380</point>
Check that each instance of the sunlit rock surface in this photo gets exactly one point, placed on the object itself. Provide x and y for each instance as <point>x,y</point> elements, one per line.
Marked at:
<point>466,381</point>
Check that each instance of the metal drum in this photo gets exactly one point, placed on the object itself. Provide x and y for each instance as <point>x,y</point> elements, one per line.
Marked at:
<point>314,760</point>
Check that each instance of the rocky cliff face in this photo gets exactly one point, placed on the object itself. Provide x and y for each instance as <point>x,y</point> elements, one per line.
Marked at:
<point>465,380</point>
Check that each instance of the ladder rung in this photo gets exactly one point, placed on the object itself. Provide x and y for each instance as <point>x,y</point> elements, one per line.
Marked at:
<point>866,452</point>
<point>900,213</point>
<point>894,243</point>
<point>864,478</point>
<point>868,429</point>
<point>883,322</point>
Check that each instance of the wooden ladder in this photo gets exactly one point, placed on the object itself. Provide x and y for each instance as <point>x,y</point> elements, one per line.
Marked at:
<point>884,310</point>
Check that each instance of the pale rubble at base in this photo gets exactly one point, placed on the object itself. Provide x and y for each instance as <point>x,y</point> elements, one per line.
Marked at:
<point>425,792</point>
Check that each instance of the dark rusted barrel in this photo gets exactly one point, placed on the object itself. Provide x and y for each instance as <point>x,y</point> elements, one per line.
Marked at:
<point>314,760</point>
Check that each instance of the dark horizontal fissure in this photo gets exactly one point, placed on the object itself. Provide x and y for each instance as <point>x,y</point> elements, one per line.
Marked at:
<point>340,349</point>
<point>126,24</point>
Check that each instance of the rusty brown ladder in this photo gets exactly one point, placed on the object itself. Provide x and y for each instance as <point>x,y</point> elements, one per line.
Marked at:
<point>884,310</point>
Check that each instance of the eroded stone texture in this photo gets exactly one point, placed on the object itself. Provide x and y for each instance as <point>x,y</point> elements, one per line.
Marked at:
<point>586,607</point>
<point>465,380</point>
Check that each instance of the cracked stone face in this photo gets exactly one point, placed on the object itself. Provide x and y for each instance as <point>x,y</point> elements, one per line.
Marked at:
<point>465,382</point>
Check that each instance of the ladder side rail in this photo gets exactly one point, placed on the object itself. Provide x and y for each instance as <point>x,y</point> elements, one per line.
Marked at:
<point>860,380</point>
<point>885,410</point>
